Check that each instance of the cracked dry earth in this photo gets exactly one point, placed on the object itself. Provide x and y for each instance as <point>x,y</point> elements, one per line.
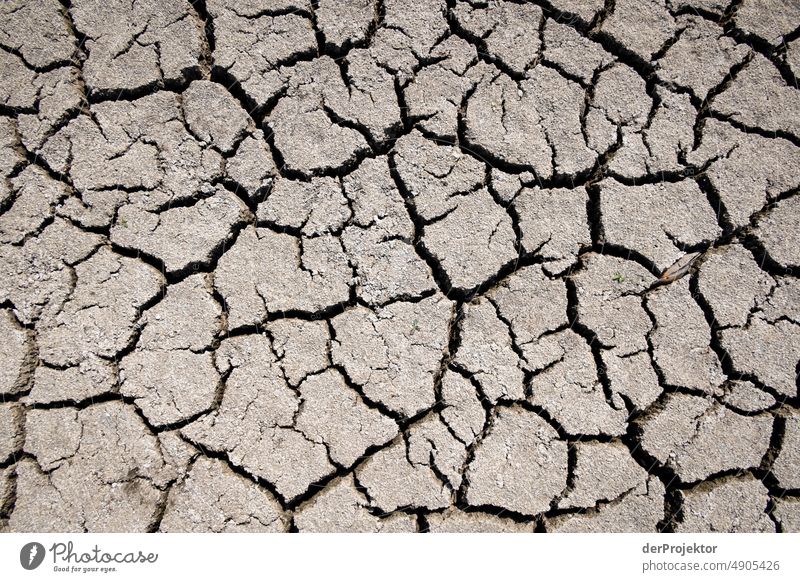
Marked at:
<point>387,266</point>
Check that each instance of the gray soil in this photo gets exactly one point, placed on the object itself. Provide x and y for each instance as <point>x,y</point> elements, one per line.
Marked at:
<point>392,266</point>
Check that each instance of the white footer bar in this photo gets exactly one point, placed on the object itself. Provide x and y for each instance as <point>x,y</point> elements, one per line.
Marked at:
<point>389,557</point>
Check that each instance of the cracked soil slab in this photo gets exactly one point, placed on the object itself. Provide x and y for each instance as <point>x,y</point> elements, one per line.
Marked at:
<point>391,266</point>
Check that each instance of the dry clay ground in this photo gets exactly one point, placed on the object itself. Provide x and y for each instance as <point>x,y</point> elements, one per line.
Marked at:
<point>382,265</point>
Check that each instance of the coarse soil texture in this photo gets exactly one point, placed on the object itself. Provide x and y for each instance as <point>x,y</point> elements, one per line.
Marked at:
<point>399,266</point>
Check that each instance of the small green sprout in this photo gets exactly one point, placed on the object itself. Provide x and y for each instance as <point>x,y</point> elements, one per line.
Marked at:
<point>619,277</point>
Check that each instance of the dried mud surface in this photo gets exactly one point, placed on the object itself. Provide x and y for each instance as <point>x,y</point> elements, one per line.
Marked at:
<point>386,266</point>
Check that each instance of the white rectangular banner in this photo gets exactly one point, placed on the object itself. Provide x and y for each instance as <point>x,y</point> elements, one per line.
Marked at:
<point>388,557</point>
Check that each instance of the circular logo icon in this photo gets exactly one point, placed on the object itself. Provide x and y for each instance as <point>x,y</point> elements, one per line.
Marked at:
<point>31,555</point>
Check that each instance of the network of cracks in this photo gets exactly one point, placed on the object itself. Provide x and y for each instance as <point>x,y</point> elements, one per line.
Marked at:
<point>375,265</point>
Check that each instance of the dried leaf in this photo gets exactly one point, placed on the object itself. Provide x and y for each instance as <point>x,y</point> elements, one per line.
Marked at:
<point>679,268</point>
